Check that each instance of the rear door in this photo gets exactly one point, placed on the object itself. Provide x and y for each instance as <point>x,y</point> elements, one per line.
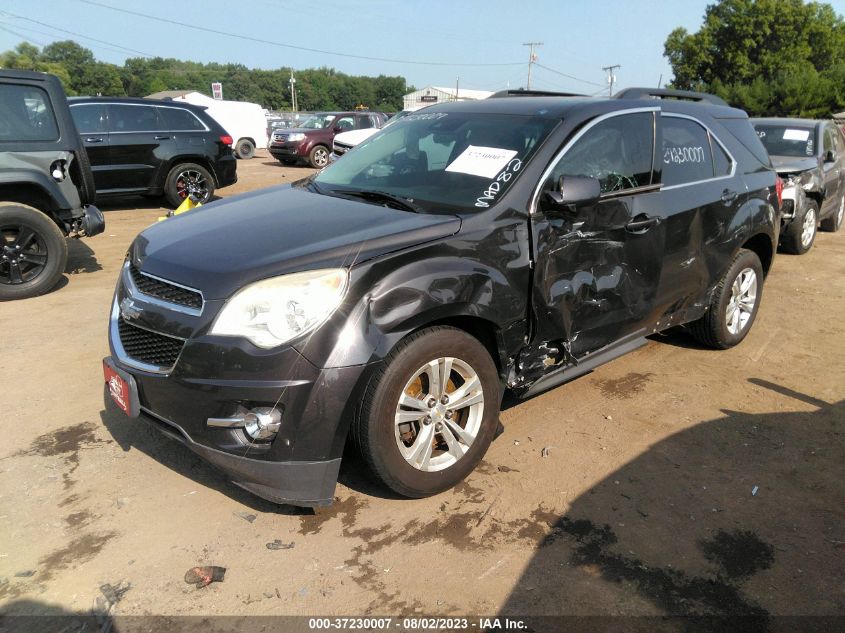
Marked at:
<point>831,169</point>
<point>91,122</point>
<point>701,193</point>
<point>139,144</point>
<point>188,133</point>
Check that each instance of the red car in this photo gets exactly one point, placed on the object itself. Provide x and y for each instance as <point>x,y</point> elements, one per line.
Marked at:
<point>311,142</point>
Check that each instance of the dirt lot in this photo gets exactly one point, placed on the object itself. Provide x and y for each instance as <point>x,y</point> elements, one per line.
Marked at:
<point>678,480</point>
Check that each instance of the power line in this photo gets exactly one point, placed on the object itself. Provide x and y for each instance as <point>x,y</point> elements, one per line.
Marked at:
<point>557,72</point>
<point>184,25</point>
<point>25,38</point>
<point>86,37</point>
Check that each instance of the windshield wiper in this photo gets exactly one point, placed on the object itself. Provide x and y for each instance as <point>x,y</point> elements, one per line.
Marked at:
<point>380,196</point>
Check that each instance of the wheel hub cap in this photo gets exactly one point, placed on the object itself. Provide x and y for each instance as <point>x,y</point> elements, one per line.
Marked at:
<point>439,414</point>
<point>742,302</point>
<point>808,230</point>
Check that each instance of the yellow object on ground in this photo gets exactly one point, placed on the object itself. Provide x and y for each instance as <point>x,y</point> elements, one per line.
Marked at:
<point>187,204</point>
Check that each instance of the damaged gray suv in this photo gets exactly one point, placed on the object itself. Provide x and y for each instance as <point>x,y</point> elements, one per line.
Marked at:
<point>46,187</point>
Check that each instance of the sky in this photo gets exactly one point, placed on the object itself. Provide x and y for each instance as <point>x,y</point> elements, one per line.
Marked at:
<point>474,43</point>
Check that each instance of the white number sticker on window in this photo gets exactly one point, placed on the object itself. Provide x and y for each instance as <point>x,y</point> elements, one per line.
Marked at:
<point>486,162</point>
<point>796,135</point>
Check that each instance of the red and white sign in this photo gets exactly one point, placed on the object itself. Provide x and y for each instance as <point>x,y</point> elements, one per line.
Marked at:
<point>118,389</point>
<point>217,90</point>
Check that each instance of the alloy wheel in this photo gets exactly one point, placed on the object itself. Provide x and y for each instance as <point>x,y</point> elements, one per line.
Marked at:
<point>192,183</point>
<point>742,302</point>
<point>808,229</point>
<point>439,414</point>
<point>23,256</point>
<point>321,157</point>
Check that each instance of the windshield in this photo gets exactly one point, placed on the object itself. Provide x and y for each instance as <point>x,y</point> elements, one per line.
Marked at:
<point>318,121</point>
<point>441,161</point>
<point>788,140</point>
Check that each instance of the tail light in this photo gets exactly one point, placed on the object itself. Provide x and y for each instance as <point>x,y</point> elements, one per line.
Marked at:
<point>779,189</point>
<point>228,140</point>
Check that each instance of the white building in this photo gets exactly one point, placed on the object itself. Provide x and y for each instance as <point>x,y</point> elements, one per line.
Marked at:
<point>437,94</point>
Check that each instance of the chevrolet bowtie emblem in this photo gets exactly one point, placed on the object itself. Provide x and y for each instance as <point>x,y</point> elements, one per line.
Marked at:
<point>128,310</point>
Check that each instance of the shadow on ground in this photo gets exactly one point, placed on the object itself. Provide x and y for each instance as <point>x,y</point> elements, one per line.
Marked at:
<point>728,525</point>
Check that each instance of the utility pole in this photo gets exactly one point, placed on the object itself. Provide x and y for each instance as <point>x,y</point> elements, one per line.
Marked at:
<point>293,92</point>
<point>611,78</point>
<point>532,57</point>
<point>457,88</point>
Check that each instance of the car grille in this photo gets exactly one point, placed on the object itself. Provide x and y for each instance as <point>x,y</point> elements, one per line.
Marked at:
<point>148,347</point>
<point>164,290</point>
<point>280,138</point>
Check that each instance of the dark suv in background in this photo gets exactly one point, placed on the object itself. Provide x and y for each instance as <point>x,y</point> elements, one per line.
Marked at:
<point>809,154</point>
<point>311,142</point>
<point>151,147</point>
<point>46,188</point>
<point>509,244</point>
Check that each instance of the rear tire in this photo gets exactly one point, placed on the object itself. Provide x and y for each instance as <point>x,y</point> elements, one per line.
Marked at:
<point>734,305</point>
<point>799,236</point>
<point>187,178</point>
<point>407,433</point>
<point>37,265</point>
<point>245,148</point>
<point>834,222</point>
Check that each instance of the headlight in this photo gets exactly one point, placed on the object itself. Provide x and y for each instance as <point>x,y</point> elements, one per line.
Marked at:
<point>273,311</point>
<point>297,136</point>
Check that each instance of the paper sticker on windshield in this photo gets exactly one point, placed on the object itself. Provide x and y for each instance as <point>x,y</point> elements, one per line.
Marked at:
<point>796,135</point>
<point>481,161</point>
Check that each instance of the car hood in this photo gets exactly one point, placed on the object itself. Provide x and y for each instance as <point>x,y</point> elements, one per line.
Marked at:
<point>307,130</point>
<point>793,164</point>
<point>353,137</point>
<point>220,247</point>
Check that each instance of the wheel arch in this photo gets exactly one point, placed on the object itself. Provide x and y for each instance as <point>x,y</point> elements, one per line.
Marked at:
<point>761,245</point>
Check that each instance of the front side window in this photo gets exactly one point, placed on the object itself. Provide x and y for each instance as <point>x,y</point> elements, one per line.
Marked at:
<point>90,118</point>
<point>788,140</point>
<point>180,120</point>
<point>686,155</point>
<point>132,118</point>
<point>345,123</point>
<point>618,152</point>
<point>26,114</point>
<point>441,161</point>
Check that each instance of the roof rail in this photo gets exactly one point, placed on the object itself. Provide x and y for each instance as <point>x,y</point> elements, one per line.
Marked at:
<point>666,93</point>
<point>533,93</point>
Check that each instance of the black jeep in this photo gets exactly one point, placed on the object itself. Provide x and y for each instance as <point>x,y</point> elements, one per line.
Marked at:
<point>472,248</point>
<point>46,187</point>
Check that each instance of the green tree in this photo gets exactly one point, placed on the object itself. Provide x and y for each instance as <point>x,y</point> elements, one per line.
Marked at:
<point>767,56</point>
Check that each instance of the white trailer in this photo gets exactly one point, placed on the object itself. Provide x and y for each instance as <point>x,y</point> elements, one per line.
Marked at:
<point>244,121</point>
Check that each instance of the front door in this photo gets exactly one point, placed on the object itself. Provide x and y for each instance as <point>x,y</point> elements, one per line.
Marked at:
<point>831,170</point>
<point>598,266</point>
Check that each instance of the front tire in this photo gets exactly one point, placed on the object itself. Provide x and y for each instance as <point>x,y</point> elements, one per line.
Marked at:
<point>319,157</point>
<point>799,236</point>
<point>188,179</point>
<point>245,148</point>
<point>834,222</point>
<point>734,304</point>
<point>429,414</point>
<point>33,252</point>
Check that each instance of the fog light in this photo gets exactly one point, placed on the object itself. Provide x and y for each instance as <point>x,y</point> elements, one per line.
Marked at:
<point>262,423</point>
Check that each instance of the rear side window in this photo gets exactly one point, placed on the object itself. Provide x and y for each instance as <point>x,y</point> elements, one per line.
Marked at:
<point>89,118</point>
<point>721,161</point>
<point>26,114</point>
<point>743,131</point>
<point>180,120</point>
<point>686,152</point>
<point>133,118</point>
<point>617,151</point>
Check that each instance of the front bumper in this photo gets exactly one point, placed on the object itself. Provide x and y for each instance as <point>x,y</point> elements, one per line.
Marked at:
<point>288,150</point>
<point>216,377</point>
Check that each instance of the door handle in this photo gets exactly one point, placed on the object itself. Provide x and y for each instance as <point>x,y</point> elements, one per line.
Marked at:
<point>641,223</point>
<point>729,196</point>
<point>91,139</point>
<point>162,138</point>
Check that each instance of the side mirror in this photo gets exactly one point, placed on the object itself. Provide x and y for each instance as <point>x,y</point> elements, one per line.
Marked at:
<point>830,157</point>
<point>337,128</point>
<point>574,191</point>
